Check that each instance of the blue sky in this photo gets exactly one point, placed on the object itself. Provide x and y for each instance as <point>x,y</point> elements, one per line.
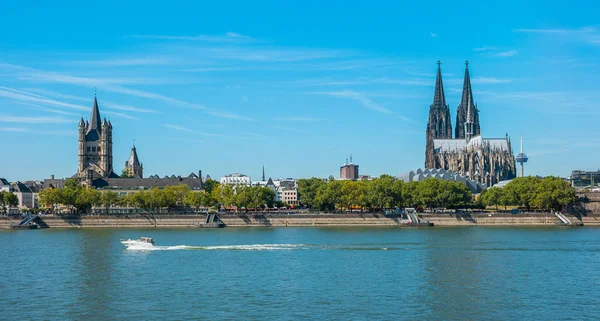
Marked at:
<point>298,87</point>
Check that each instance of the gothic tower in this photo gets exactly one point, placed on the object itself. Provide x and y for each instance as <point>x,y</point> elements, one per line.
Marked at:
<point>133,167</point>
<point>461,113</point>
<point>95,146</point>
<point>439,125</point>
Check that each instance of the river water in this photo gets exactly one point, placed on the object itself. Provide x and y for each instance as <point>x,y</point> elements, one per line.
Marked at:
<point>459,273</point>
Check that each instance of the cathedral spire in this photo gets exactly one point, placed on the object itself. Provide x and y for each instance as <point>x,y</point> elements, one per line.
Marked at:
<point>469,122</point>
<point>465,102</point>
<point>95,121</point>
<point>467,93</point>
<point>439,100</point>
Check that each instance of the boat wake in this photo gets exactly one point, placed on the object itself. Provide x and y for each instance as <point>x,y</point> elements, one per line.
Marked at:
<point>264,247</point>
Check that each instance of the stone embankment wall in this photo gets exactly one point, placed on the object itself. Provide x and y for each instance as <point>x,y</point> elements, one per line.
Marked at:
<point>591,201</point>
<point>278,220</point>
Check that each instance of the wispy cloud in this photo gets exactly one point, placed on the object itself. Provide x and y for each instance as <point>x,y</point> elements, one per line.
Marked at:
<point>24,97</point>
<point>433,35</point>
<point>302,131</point>
<point>38,131</point>
<point>229,115</point>
<point>14,129</point>
<point>406,119</point>
<point>356,96</point>
<point>588,29</point>
<point>191,131</point>
<point>110,86</point>
<point>484,48</point>
<point>120,115</point>
<point>363,81</point>
<point>56,94</point>
<point>589,34</point>
<point>228,37</point>
<point>124,62</point>
<point>34,120</point>
<point>299,119</point>
<point>508,53</point>
<point>107,104</point>
<point>489,80</point>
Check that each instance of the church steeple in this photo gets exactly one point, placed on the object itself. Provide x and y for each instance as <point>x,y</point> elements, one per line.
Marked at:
<point>95,120</point>
<point>439,125</point>
<point>439,99</point>
<point>466,100</point>
<point>133,167</point>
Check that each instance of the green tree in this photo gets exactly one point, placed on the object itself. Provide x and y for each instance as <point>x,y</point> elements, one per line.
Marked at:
<point>210,185</point>
<point>125,174</point>
<point>70,193</point>
<point>50,197</point>
<point>307,190</point>
<point>410,194</point>
<point>86,198</point>
<point>8,199</point>
<point>429,192</point>
<point>328,196</point>
<point>492,197</point>
<point>263,197</point>
<point>553,193</point>
<point>175,194</point>
<point>521,191</point>
<point>108,199</point>
<point>383,193</point>
<point>195,199</point>
<point>353,194</point>
<point>224,195</point>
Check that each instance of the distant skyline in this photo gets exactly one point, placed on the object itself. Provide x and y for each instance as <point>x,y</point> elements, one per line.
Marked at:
<point>297,88</point>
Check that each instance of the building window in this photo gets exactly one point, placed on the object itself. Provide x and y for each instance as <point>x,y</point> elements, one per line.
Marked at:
<point>88,149</point>
<point>93,149</point>
<point>98,149</point>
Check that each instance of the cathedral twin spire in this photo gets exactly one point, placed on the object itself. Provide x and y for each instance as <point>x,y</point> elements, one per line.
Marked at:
<point>439,111</point>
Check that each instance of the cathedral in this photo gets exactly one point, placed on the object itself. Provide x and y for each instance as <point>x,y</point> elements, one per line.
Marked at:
<point>484,160</point>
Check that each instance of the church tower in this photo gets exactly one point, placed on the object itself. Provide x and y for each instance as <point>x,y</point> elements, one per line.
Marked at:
<point>133,167</point>
<point>95,146</point>
<point>439,125</point>
<point>461,114</point>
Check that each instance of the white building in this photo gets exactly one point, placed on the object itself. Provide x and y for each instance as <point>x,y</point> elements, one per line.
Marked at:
<point>286,189</point>
<point>236,179</point>
<point>27,198</point>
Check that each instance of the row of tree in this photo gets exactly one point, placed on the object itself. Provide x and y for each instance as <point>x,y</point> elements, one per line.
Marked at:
<point>531,192</point>
<point>82,199</point>
<point>383,192</point>
<point>378,194</point>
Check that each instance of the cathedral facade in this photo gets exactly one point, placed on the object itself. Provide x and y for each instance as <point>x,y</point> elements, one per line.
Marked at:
<point>484,160</point>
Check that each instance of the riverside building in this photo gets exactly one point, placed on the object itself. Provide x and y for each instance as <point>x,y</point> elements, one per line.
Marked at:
<point>349,170</point>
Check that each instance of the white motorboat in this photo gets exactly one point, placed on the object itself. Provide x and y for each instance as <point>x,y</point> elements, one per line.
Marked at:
<point>142,243</point>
